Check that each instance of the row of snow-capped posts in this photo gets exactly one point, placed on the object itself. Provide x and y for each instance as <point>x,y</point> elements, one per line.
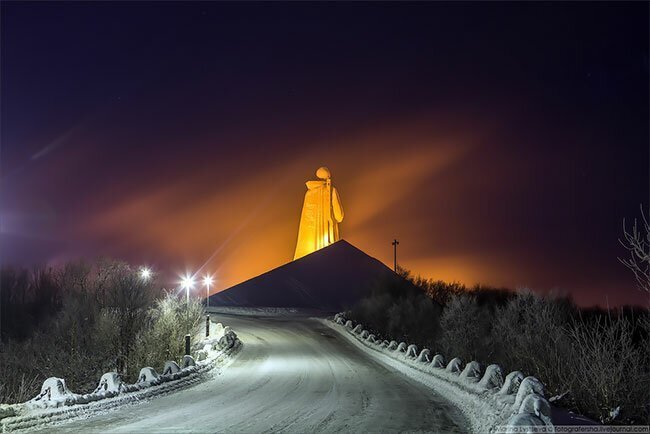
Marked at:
<point>525,395</point>
<point>54,392</point>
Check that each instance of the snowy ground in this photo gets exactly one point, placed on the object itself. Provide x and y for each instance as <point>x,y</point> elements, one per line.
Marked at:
<point>293,374</point>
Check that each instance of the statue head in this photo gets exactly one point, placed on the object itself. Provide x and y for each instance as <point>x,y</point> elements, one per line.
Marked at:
<point>323,173</point>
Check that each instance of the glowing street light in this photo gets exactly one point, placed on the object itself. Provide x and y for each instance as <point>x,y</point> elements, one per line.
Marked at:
<point>187,283</point>
<point>207,281</point>
<point>145,273</point>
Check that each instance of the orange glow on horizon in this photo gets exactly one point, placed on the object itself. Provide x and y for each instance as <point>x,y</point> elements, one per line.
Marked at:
<point>248,225</point>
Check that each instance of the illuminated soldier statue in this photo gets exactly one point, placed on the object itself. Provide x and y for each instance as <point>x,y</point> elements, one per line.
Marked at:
<point>321,214</point>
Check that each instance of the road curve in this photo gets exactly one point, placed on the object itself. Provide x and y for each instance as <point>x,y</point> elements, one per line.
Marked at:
<point>292,375</point>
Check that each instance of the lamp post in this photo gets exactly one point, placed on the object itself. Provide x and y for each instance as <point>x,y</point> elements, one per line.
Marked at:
<point>187,283</point>
<point>207,281</point>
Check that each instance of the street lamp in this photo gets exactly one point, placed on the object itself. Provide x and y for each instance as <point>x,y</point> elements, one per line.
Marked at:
<point>187,282</point>
<point>145,273</point>
<point>207,281</point>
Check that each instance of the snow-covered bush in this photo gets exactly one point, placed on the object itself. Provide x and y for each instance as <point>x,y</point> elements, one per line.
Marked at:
<point>532,338</point>
<point>609,370</point>
<point>164,337</point>
<point>466,329</point>
<point>398,309</point>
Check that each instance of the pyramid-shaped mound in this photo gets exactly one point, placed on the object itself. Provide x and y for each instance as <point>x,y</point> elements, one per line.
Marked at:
<point>330,279</point>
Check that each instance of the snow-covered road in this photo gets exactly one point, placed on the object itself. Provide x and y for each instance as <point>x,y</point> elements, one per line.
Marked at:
<point>295,375</point>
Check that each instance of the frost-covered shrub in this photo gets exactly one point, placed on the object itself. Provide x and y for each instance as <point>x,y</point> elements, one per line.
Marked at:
<point>466,329</point>
<point>609,371</point>
<point>532,338</point>
<point>164,337</point>
<point>99,318</point>
<point>397,309</point>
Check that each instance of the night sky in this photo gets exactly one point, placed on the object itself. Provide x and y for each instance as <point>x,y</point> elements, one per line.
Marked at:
<point>501,143</point>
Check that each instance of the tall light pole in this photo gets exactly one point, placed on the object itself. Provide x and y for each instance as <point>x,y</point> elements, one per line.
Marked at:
<point>207,281</point>
<point>187,283</point>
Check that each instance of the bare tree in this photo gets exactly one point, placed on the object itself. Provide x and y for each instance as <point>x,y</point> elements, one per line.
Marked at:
<point>637,243</point>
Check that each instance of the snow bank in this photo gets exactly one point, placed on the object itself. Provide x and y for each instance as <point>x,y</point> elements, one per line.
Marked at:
<point>56,402</point>
<point>490,403</point>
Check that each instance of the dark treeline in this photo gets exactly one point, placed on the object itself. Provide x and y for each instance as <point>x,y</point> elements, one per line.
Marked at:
<point>81,320</point>
<point>593,361</point>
